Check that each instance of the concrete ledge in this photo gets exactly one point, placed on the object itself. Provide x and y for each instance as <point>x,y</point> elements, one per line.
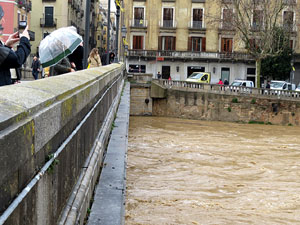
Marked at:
<point>108,207</point>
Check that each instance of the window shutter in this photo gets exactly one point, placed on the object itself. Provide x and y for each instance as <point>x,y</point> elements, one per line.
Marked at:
<point>222,45</point>
<point>230,45</point>
<point>159,42</point>
<point>203,44</point>
<point>190,44</point>
<point>174,44</point>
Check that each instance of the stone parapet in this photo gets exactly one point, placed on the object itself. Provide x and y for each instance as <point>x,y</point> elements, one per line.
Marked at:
<point>35,119</point>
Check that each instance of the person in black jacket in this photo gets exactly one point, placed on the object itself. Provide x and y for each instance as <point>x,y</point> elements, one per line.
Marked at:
<point>10,58</point>
<point>35,67</point>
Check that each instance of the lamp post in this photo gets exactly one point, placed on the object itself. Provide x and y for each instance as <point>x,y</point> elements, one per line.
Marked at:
<point>124,32</point>
<point>86,33</point>
<point>116,60</point>
<point>108,33</point>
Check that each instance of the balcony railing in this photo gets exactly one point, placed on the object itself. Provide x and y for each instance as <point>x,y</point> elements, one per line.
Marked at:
<point>48,22</point>
<point>197,25</point>
<point>290,27</point>
<point>138,23</point>
<point>168,24</point>
<point>189,54</point>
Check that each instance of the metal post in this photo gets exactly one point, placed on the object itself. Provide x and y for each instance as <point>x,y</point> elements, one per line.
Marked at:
<point>86,33</point>
<point>108,32</point>
<point>116,60</point>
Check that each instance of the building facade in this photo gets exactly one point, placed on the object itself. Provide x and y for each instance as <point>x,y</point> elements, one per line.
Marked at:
<point>178,37</point>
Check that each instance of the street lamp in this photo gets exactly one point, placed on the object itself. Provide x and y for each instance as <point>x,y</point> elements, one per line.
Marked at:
<point>116,60</point>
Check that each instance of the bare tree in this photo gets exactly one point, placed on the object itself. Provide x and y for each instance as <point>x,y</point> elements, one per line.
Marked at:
<point>257,25</point>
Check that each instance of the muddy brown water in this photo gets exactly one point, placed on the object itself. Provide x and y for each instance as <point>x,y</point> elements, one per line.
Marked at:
<point>197,172</point>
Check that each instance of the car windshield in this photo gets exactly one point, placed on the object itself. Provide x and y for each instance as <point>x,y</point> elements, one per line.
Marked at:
<point>236,83</point>
<point>276,84</point>
<point>298,87</point>
<point>196,76</point>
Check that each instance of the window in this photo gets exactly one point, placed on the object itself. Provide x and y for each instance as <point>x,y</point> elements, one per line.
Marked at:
<point>288,20</point>
<point>49,16</point>
<point>166,43</point>
<point>197,44</point>
<point>138,42</point>
<point>168,17</point>
<point>197,18</point>
<point>226,44</point>
<point>257,19</point>
<point>227,18</point>
<point>138,16</point>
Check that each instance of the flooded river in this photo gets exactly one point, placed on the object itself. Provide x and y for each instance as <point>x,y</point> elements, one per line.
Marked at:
<point>198,172</point>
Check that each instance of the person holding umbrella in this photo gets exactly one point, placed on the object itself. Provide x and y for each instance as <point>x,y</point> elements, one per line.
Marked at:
<point>55,48</point>
<point>10,58</point>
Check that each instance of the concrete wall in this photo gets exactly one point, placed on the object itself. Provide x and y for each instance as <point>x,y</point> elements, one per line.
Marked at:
<point>35,119</point>
<point>211,105</point>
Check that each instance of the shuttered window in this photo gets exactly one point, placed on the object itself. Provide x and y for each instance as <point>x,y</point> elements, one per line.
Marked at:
<point>138,42</point>
<point>226,44</point>
<point>197,44</point>
<point>167,43</point>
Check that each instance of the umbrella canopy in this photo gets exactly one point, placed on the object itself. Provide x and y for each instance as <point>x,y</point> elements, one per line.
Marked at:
<point>58,45</point>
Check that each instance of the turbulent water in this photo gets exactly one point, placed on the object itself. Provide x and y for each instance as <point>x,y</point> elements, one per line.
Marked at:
<point>198,172</point>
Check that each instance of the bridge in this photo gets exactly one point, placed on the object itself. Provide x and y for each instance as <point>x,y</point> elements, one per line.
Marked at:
<point>55,134</point>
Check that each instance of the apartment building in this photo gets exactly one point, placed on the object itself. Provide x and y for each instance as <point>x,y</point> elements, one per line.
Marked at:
<point>50,15</point>
<point>178,37</point>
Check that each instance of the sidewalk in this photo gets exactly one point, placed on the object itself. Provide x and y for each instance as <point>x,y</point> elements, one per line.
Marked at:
<point>109,201</point>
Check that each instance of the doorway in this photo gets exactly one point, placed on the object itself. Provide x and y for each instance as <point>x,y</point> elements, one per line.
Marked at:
<point>165,71</point>
<point>225,74</point>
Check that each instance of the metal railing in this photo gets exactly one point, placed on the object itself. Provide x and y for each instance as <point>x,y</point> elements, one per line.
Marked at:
<point>196,25</point>
<point>190,54</point>
<point>167,24</point>
<point>138,23</point>
<point>227,89</point>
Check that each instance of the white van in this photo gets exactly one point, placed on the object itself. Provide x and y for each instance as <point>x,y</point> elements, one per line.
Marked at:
<point>243,83</point>
<point>282,85</point>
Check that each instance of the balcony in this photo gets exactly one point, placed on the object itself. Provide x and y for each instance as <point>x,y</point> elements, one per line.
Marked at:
<point>168,24</point>
<point>289,2</point>
<point>188,55</point>
<point>290,27</point>
<point>138,23</point>
<point>198,1</point>
<point>226,26</point>
<point>196,25</point>
<point>48,22</point>
<point>48,0</point>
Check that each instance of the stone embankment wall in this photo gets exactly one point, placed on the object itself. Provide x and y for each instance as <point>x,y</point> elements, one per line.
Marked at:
<point>37,119</point>
<point>213,103</point>
<point>140,100</point>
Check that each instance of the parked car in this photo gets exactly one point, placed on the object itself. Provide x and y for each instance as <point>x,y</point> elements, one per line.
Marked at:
<point>199,77</point>
<point>298,88</point>
<point>282,85</point>
<point>243,83</point>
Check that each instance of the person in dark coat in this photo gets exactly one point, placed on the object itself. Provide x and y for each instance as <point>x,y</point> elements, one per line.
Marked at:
<point>35,67</point>
<point>10,58</point>
<point>63,66</point>
<point>77,57</point>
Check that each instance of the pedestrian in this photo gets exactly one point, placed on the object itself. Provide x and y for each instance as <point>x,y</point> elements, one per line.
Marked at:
<point>268,86</point>
<point>10,58</point>
<point>77,57</point>
<point>158,75</point>
<point>94,59</point>
<point>35,66</point>
<point>226,82</point>
<point>220,82</point>
<point>63,66</point>
<point>111,57</point>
